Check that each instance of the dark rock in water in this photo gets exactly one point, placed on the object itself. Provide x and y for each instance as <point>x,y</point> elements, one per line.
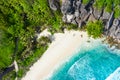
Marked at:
<point>67,7</point>
<point>54,4</point>
<point>110,21</point>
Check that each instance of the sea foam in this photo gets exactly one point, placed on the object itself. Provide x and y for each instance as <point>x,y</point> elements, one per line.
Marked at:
<point>92,61</point>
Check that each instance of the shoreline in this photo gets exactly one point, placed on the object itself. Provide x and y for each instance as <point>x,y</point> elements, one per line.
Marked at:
<point>64,46</point>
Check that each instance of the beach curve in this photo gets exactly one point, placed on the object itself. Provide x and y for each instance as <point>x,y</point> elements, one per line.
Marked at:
<point>60,49</point>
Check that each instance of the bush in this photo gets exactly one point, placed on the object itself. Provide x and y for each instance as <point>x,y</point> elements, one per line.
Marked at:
<point>20,73</point>
<point>6,51</point>
<point>95,29</point>
<point>99,4</point>
<point>117,12</point>
<point>85,1</point>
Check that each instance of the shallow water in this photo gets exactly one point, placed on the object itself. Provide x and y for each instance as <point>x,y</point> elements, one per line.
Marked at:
<point>93,61</point>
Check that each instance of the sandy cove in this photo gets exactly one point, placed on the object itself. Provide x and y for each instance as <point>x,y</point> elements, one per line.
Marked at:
<point>59,50</point>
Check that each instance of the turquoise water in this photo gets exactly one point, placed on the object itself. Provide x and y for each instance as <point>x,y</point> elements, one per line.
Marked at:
<point>96,62</point>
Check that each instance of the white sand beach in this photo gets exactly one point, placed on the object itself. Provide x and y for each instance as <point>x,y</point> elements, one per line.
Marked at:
<point>60,49</point>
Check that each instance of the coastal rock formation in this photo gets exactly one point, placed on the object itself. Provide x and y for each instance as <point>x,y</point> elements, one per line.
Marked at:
<point>77,13</point>
<point>67,7</point>
<point>105,15</point>
<point>54,4</point>
<point>97,13</point>
<point>114,31</point>
<point>83,12</point>
<point>110,21</point>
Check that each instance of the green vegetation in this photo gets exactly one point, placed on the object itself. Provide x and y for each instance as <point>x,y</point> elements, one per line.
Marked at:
<point>116,2</point>
<point>71,26</point>
<point>108,5</point>
<point>85,1</point>
<point>34,55</point>
<point>117,11</point>
<point>99,4</point>
<point>6,49</point>
<point>94,29</point>
<point>20,19</point>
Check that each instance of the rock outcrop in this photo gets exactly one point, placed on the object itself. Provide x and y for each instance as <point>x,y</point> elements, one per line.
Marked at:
<point>110,21</point>
<point>115,30</point>
<point>54,4</point>
<point>68,7</point>
<point>77,13</point>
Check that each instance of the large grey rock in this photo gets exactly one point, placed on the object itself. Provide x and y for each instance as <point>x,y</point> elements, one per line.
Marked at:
<point>64,18</point>
<point>80,24</point>
<point>96,13</point>
<point>89,5</point>
<point>54,4</point>
<point>77,13</point>
<point>117,30</point>
<point>110,21</point>
<point>67,7</point>
<point>85,19</point>
<point>105,15</point>
<point>118,36</point>
<point>78,4</point>
<point>116,22</point>
<point>83,12</point>
<point>112,31</point>
<point>69,18</point>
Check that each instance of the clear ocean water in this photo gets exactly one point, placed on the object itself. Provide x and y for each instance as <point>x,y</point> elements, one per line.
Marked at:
<point>92,61</point>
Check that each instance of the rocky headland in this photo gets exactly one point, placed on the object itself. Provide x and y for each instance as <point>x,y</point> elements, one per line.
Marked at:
<point>75,12</point>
